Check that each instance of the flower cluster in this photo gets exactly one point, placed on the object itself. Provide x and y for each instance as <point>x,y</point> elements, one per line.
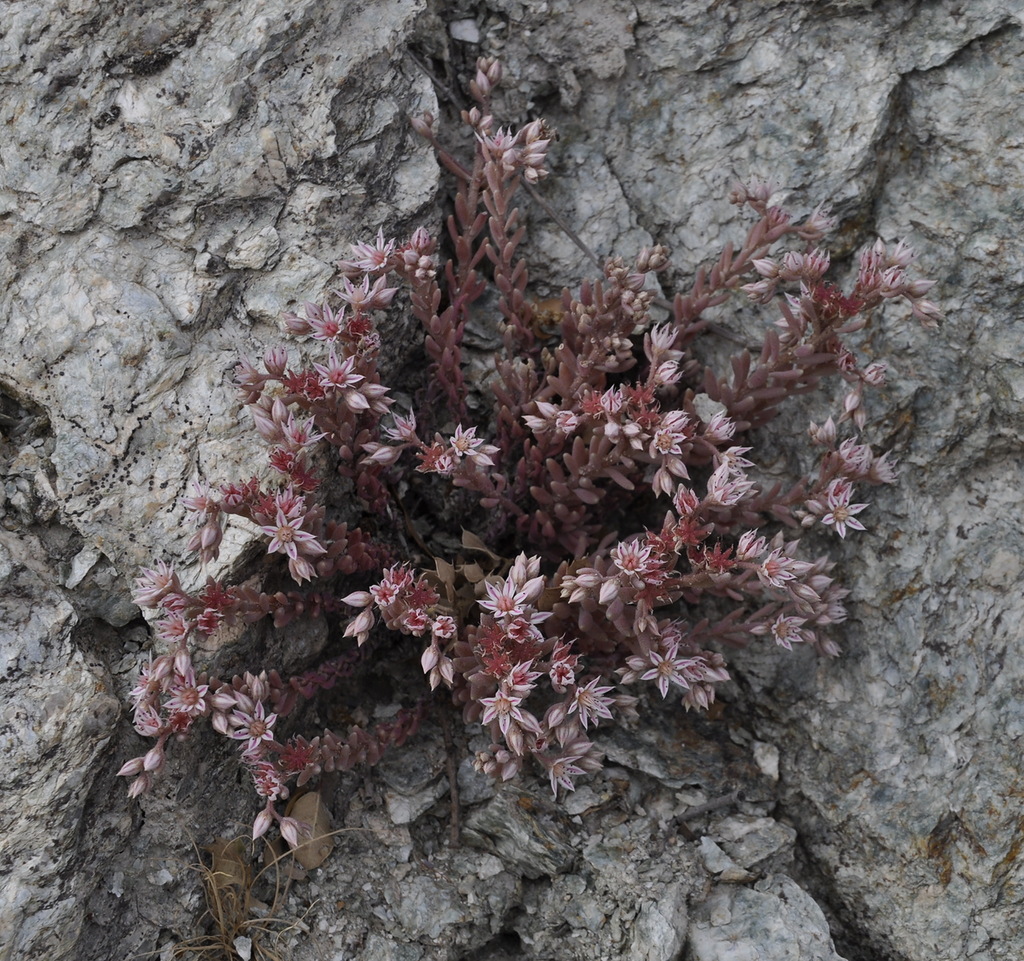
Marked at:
<point>627,535</point>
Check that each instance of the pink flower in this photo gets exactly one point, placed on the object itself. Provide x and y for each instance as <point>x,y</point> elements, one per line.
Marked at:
<point>415,621</point>
<point>882,470</point>
<point>465,443</point>
<point>290,504</point>
<point>364,297</point>
<point>786,631</point>
<point>674,429</point>
<point>725,488</point>
<point>404,429</point>
<point>874,374</point>
<point>562,674</point>
<point>268,781</point>
<point>148,722</point>
<point>566,421</point>
<point>541,421</point>
<point>153,678</point>
<point>521,679</point>
<point>504,708</point>
<point>255,728</point>
<point>286,537</point>
<point>856,457</point>
<point>776,569</point>
<point>719,429</point>
<point>369,257</point>
<point>733,459</point>
<point>187,697</point>
<point>750,545</point>
<point>297,436</point>
<point>384,593</point>
<point>327,324</point>
<point>202,502</point>
<point>685,501</point>
<point>173,629</point>
<point>338,374</point>
<point>562,770</point>
<point>436,459</point>
<point>632,558</point>
<point>209,621</point>
<point>504,599</point>
<point>444,627</point>
<point>301,569</point>
<point>591,702</point>
<point>154,584</point>
<point>664,669</point>
<point>841,511</point>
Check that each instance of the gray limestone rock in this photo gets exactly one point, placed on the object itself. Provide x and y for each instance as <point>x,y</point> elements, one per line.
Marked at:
<point>534,841</point>
<point>174,176</point>
<point>58,714</point>
<point>775,920</point>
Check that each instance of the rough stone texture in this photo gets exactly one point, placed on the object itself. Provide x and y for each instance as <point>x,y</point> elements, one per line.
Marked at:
<point>758,924</point>
<point>172,179</point>
<point>56,720</point>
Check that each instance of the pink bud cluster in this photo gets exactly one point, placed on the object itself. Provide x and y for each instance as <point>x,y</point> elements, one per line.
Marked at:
<point>460,455</point>
<point>170,697</point>
<point>520,153</point>
<point>500,663</point>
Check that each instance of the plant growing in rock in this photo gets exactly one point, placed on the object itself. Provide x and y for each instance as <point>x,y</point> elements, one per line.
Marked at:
<point>622,540</point>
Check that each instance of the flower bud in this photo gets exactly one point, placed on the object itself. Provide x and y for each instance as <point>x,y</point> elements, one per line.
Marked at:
<point>154,759</point>
<point>262,823</point>
<point>210,536</point>
<point>423,125</point>
<point>360,624</point>
<point>514,738</point>
<point>244,703</point>
<point>290,831</point>
<point>140,785</point>
<point>132,767</point>
<point>482,84</point>
<point>556,714</point>
<point>429,659</point>
<point>293,324</point>
<point>825,435</point>
<point>258,686</point>
<point>182,661</point>
<point>223,700</point>
<point>276,360</point>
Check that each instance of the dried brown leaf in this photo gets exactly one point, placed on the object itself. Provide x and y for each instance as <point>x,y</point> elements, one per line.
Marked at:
<point>230,865</point>
<point>473,543</point>
<point>311,811</point>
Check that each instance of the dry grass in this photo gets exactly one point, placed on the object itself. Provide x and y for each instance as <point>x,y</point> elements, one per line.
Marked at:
<point>241,924</point>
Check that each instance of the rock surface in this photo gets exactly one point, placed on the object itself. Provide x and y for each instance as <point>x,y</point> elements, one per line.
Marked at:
<point>172,181</point>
